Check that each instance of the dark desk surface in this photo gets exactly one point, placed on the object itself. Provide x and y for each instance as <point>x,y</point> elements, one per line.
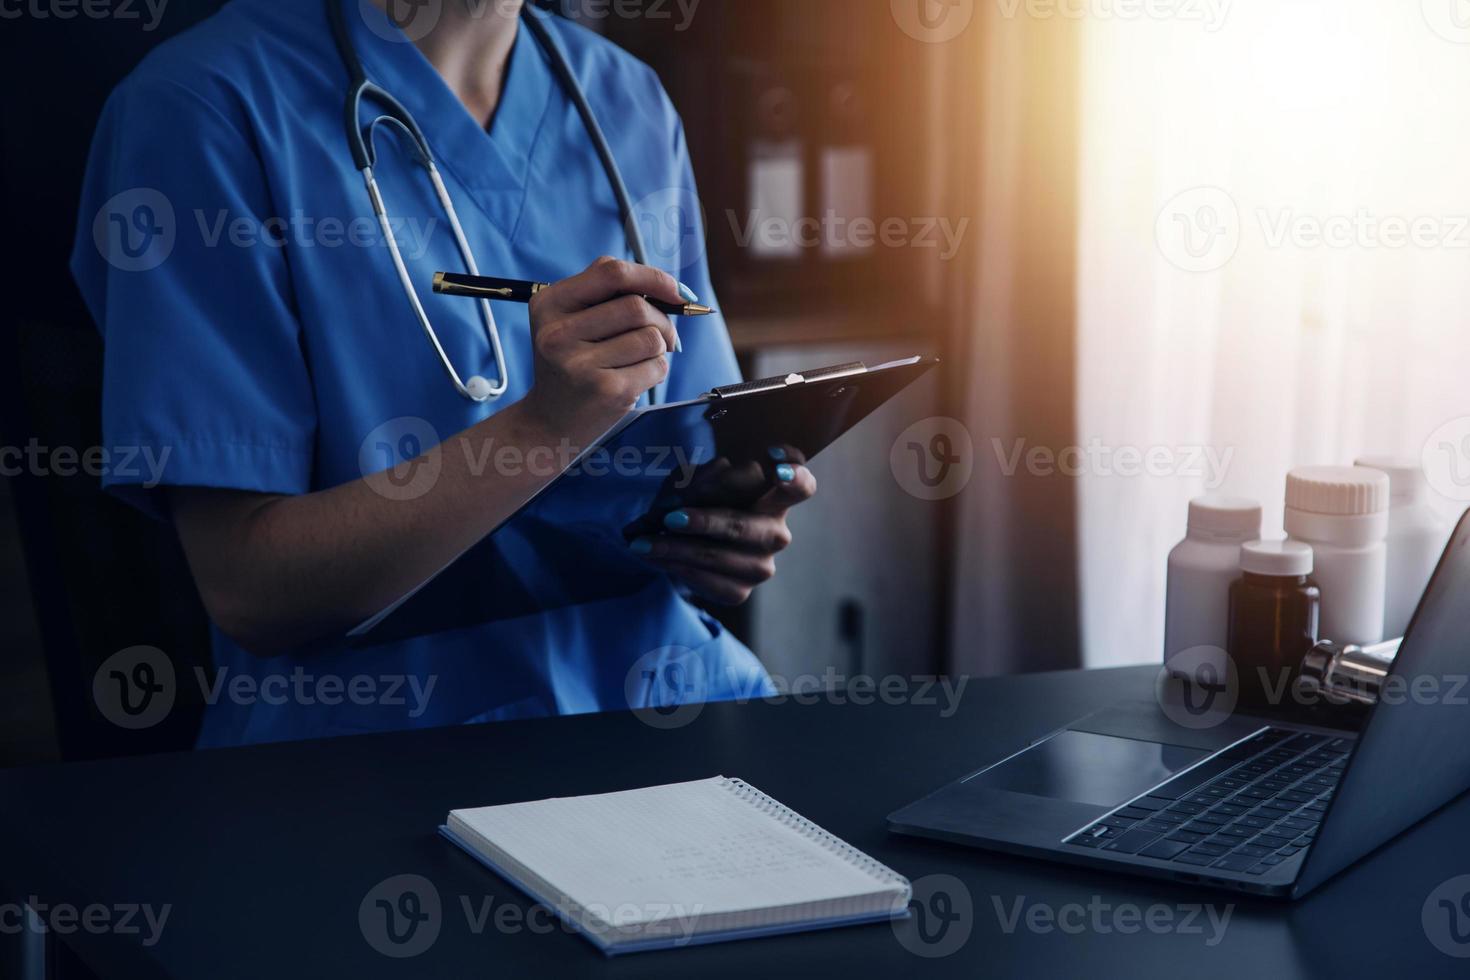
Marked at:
<point>265,854</point>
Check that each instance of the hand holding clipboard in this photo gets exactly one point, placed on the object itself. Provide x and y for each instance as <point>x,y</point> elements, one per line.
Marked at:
<point>602,502</point>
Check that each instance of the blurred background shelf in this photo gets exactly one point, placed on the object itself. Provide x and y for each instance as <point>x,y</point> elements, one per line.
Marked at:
<point>813,126</point>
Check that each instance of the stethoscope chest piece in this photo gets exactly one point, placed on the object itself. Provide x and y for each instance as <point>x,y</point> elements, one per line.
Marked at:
<point>478,389</point>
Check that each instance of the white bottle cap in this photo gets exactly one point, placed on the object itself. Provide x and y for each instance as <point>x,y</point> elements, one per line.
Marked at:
<point>1276,558</point>
<point>1218,516</point>
<point>1338,505</point>
<point>1337,491</point>
<point>1406,480</point>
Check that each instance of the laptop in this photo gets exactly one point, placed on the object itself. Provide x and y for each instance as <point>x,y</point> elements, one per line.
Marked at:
<point>1179,788</point>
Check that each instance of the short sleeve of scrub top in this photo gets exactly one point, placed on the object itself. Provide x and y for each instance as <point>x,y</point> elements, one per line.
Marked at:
<point>203,365</point>
<point>257,338</point>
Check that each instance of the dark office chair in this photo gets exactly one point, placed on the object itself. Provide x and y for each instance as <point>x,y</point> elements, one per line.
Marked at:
<point>103,577</point>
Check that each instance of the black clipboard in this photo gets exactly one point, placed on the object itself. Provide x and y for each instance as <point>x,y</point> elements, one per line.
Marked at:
<point>568,545</point>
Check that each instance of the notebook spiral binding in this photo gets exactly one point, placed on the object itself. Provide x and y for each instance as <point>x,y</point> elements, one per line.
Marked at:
<point>792,819</point>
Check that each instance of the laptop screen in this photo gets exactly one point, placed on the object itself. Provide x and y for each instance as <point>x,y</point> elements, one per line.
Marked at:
<point>1413,755</point>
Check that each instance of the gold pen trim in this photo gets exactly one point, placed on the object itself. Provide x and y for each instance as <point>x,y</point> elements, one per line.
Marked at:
<point>459,289</point>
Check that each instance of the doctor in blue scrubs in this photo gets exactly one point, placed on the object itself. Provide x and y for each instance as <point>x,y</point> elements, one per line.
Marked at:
<point>258,333</point>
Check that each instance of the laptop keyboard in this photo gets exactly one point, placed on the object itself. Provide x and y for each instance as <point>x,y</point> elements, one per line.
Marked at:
<point>1247,809</point>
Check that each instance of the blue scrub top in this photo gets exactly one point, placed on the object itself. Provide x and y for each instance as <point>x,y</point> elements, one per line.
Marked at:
<point>256,332</point>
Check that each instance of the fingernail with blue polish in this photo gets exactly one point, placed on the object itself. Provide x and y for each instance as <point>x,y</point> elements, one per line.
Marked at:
<point>677,521</point>
<point>777,453</point>
<point>785,473</point>
<point>690,296</point>
<point>641,546</point>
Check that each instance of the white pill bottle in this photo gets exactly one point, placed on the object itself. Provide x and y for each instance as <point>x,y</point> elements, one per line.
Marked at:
<point>1201,569</point>
<point>1342,512</point>
<point>1417,535</point>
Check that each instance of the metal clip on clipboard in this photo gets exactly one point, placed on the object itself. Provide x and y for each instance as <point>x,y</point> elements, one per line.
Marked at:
<point>787,380</point>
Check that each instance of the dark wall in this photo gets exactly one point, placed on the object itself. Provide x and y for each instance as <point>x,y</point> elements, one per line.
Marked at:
<point>83,576</point>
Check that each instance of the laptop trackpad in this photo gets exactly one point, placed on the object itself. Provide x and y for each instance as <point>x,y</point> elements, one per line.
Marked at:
<point>1083,767</point>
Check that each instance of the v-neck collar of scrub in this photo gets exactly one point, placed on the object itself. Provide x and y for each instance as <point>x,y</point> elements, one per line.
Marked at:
<point>487,164</point>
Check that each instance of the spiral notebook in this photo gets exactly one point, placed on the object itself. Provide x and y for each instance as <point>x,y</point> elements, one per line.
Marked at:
<point>688,863</point>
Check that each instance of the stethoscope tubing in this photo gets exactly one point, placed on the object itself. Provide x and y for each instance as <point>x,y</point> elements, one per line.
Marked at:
<point>360,144</point>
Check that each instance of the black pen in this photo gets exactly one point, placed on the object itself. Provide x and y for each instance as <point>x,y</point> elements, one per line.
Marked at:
<point>519,291</point>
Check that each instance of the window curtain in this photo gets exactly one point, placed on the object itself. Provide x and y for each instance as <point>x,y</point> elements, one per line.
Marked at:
<point>1273,268</point>
<point>1012,100</point>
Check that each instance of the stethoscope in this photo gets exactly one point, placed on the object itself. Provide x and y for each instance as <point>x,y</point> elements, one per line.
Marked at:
<point>364,155</point>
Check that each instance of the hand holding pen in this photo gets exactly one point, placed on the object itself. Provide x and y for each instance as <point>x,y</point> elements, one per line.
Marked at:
<point>521,291</point>
<point>598,345</point>
<point>719,538</point>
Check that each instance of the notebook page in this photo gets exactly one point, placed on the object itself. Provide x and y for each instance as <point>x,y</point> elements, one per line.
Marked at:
<point>696,847</point>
